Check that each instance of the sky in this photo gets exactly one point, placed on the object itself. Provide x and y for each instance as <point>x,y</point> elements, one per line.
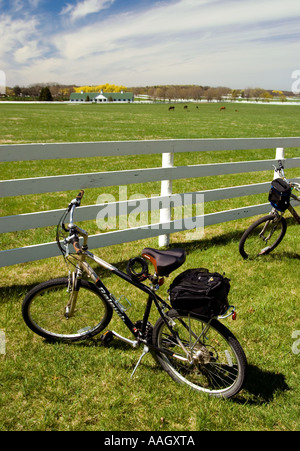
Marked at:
<point>234,43</point>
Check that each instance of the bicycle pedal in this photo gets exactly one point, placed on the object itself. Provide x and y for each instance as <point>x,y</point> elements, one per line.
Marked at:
<point>106,338</point>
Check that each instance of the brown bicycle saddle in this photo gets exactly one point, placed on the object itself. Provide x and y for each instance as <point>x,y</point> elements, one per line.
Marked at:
<point>164,262</point>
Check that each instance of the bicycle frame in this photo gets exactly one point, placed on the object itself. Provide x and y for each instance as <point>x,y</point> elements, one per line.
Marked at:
<point>83,266</point>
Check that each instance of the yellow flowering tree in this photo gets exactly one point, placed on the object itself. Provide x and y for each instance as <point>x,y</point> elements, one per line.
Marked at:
<point>107,87</point>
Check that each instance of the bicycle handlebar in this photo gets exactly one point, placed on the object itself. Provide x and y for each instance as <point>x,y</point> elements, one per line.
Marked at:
<point>72,228</point>
<point>73,204</point>
<point>76,202</point>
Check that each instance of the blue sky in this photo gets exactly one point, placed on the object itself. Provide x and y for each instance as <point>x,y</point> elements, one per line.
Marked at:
<point>234,43</point>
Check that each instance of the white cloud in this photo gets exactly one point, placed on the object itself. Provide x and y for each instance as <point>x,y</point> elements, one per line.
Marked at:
<point>179,32</point>
<point>180,21</point>
<point>28,52</point>
<point>17,5</point>
<point>217,42</point>
<point>86,7</point>
<point>15,33</point>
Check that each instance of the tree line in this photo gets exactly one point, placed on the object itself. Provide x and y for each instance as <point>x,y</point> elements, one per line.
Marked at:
<point>56,91</point>
<point>61,92</point>
<point>41,91</point>
<point>208,93</point>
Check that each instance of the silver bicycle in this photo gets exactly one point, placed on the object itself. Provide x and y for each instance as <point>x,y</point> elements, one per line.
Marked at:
<point>193,349</point>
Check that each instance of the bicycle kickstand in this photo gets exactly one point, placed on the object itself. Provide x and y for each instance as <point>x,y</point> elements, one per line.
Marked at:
<point>145,351</point>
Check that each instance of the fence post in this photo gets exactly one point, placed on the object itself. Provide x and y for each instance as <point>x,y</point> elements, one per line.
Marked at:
<point>279,156</point>
<point>2,342</point>
<point>166,190</point>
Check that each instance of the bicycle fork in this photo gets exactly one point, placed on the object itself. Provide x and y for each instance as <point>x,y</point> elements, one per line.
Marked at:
<point>267,238</point>
<point>73,289</point>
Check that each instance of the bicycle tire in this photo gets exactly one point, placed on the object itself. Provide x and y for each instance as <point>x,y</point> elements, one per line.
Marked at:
<point>252,245</point>
<point>43,311</point>
<point>217,363</point>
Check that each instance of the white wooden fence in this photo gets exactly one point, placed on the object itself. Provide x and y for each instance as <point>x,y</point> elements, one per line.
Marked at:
<point>168,172</point>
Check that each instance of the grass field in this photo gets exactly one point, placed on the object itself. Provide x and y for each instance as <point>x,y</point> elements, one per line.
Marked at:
<point>69,122</point>
<point>87,387</point>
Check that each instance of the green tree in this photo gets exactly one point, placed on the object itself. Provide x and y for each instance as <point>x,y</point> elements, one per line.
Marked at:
<point>45,95</point>
<point>17,91</point>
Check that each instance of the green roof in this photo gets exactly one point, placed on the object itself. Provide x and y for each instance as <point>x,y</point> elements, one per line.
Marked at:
<point>79,96</point>
<point>108,95</point>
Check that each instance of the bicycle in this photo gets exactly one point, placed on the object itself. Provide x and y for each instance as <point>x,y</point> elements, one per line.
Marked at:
<point>265,234</point>
<point>194,350</point>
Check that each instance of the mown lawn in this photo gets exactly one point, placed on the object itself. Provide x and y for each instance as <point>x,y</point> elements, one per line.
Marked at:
<point>85,386</point>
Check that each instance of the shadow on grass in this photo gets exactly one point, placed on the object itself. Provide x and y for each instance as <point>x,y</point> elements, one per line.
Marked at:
<point>278,256</point>
<point>261,386</point>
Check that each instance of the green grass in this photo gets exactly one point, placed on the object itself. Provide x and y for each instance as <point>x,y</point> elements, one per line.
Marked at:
<point>71,123</point>
<point>87,387</point>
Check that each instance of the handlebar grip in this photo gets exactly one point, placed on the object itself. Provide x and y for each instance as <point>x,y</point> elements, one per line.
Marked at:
<point>80,195</point>
<point>76,202</point>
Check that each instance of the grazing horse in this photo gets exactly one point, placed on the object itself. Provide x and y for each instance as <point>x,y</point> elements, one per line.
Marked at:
<point>171,108</point>
<point>185,107</point>
<point>223,108</point>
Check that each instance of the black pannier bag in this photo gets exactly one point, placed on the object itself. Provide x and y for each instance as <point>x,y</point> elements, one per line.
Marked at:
<point>200,291</point>
<point>280,194</point>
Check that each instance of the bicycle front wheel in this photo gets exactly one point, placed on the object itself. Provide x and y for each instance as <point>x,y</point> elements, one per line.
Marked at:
<point>205,356</point>
<point>262,236</point>
<point>44,311</point>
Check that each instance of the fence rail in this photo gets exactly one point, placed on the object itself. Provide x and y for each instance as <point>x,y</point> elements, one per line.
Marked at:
<point>26,152</point>
<point>53,151</point>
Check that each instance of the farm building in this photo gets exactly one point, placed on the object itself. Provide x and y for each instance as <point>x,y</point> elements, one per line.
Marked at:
<point>102,97</point>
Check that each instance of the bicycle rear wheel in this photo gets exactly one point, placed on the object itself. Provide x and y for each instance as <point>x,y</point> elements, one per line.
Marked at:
<point>206,357</point>
<point>262,236</point>
<point>44,311</point>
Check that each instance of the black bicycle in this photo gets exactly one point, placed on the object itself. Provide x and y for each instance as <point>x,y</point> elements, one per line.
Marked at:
<point>265,234</point>
<point>193,348</point>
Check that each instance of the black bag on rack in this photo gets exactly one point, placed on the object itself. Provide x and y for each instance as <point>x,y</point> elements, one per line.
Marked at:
<point>280,194</point>
<point>200,291</point>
